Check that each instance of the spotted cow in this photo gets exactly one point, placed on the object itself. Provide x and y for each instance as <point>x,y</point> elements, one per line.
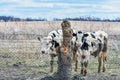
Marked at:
<point>74,47</point>
<point>95,44</point>
<point>52,41</point>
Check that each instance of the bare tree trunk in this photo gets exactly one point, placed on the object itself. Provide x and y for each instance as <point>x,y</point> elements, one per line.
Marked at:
<point>65,54</point>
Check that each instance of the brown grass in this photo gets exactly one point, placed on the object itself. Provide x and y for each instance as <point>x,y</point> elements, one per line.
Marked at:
<point>43,27</point>
<point>28,51</point>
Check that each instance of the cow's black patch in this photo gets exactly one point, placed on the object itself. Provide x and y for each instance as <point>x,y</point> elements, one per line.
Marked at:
<point>99,40</point>
<point>83,56</point>
<point>85,35</point>
<point>92,44</point>
<point>83,39</point>
<point>99,48</point>
<point>93,36</point>
<point>54,35</point>
<point>74,34</point>
<point>55,44</point>
<point>79,32</point>
<point>57,31</point>
<point>39,39</point>
<point>85,46</point>
<point>86,63</point>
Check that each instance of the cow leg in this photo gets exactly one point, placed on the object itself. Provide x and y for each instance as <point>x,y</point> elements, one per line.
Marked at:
<point>74,53</point>
<point>74,57</point>
<point>76,63</point>
<point>51,63</point>
<point>100,62</point>
<point>84,64</point>
<point>104,61</point>
<point>82,68</point>
<point>104,54</point>
<point>85,68</point>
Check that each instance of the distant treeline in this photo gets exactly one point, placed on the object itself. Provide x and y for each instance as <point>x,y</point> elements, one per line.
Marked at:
<point>12,18</point>
<point>89,19</point>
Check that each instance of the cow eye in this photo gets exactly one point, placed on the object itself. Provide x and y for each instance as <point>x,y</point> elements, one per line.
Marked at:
<point>47,44</point>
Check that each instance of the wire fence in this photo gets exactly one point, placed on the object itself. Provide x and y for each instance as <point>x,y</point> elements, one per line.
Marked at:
<point>27,47</point>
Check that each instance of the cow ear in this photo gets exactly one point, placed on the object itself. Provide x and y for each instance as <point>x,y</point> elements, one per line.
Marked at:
<point>39,38</point>
<point>74,34</point>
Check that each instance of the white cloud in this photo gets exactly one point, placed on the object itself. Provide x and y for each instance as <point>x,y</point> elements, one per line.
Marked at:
<point>6,1</point>
<point>110,6</point>
<point>63,9</point>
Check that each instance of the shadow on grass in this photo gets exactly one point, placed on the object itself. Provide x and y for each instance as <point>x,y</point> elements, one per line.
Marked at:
<point>89,77</point>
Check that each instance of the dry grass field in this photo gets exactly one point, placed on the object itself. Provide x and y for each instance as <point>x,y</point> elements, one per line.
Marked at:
<point>43,27</point>
<point>20,57</point>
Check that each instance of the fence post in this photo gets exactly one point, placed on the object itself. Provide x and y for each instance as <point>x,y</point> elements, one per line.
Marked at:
<point>64,54</point>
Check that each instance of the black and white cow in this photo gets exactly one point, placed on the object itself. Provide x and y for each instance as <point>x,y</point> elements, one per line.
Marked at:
<point>92,43</point>
<point>77,35</point>
<point>52,41</point>
<point>49,45</point>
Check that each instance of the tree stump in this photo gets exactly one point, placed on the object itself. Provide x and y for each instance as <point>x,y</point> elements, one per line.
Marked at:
<point>65,54</point>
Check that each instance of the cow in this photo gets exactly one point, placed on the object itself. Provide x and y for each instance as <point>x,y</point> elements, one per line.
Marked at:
<point>74,47</point>
<point>95,44</point>
<point>50,43</point>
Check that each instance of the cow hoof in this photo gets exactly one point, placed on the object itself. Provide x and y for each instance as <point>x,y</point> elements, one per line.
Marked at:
<point>75,70</point>
<point>51,71</point>
<point>104,69</point>
<point>99,70</point>
<point>84,74</point>
<point>81,71</point>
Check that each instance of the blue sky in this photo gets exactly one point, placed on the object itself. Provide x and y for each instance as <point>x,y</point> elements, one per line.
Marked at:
<point>50,9</point>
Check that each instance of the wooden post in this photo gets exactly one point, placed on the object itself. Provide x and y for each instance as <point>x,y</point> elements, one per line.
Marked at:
<point>64,54</point>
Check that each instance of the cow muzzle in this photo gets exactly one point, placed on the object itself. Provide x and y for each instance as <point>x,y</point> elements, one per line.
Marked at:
<point>78,44</point>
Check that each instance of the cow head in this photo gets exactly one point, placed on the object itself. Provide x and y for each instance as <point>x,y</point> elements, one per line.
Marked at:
<point>46,43</point>
<point>79,36</point>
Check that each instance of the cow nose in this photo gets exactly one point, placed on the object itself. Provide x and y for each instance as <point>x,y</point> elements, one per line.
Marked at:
<point>78,44</point>
<point>43,52</point>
